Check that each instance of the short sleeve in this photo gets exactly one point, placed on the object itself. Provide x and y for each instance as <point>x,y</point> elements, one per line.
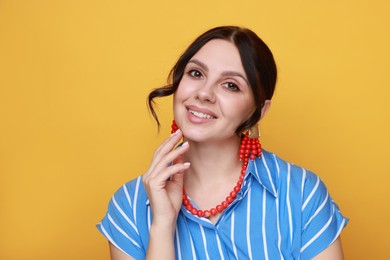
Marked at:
<point>322,221</point>
<point>119,227</point>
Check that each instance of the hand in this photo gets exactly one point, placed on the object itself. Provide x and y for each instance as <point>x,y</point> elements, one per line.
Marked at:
<point>164,183</point>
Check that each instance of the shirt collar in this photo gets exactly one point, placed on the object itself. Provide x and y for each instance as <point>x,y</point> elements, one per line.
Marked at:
<point>265,171</point>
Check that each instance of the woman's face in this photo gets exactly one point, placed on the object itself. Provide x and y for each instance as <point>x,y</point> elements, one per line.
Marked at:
<point>214,96</point>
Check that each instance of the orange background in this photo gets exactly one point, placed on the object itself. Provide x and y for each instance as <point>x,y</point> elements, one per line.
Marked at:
<point>74,76</point>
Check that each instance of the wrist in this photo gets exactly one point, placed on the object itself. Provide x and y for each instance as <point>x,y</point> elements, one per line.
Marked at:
<point>163,229</point>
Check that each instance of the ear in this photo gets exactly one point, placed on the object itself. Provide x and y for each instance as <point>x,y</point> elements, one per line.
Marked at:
<point>265,108</point>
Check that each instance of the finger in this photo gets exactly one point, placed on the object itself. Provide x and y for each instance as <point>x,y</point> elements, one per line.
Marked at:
<point>178,178</point>
<point>169,143</point>
<point>158,181</point>
<point>165,148</point>
<point>172,156</point>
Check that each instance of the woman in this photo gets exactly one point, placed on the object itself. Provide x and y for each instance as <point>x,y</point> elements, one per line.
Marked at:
<point>218,195</point>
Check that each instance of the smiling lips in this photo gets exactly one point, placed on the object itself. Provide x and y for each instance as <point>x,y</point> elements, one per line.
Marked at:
<point>200,114</point>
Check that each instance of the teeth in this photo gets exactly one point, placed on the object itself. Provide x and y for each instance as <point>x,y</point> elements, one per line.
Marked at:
<point>199,114</point>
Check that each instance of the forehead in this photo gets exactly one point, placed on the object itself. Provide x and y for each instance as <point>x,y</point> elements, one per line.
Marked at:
<point>221,55</point>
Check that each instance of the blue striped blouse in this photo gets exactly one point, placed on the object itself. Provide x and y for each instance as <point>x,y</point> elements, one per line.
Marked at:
<point>283,211</point>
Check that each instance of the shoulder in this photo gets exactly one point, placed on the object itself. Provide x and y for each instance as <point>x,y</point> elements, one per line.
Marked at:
<point>281,170</point>
<point>280,166</point>
<point>124,224</point>
<point>282,176</point>
<point>131,194</point>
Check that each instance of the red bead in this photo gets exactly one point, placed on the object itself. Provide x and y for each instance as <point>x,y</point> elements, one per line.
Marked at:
<point>237,188</point>
<point>241,177</point>
<point>224,204</point>
<point>189,207</point>
<point>186,202</point>
<point>219,208</point>
<point>229,199</point>
<point>233,194</point>
<point>253,157</point>
<point>200,213</point>
<point>213,211</point>
<point>194,211</point>
<point>239,183</point>
<point>184,197</point>
<point>206,213</point>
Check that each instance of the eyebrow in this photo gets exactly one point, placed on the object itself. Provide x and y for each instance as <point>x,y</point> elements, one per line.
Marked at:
<point>225,73</point>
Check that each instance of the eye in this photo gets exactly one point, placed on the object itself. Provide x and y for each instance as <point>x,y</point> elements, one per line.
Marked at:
<point>195,73</point>
<point>232,86</point>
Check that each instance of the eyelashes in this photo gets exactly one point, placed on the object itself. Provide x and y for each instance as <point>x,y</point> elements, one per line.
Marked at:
<point>229,85</point>
<point>195,73</point>
<point>232,86</point>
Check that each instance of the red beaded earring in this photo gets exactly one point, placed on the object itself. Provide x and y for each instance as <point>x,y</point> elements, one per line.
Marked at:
<point>250,145</point>
<point>174,126</point>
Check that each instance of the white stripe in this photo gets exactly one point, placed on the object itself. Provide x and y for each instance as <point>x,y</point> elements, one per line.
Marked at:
<point>192,248</point>
<point>303,181</point>
<point>122,232</point>
<point>278,227</point>
<point>318,209</point>
<point>288,201</point>
<point>124,215</point>
<point>149,218</point>
<point>248,212</point>
<point>311,193</point>
<point>127,195</point>
<point>263,225</point>
<point>269,174</point>
<point>339,231</point>
<point>277,212</point>
<point>135,199</point>
<point>178,244</point>
<point>219,247</point>
<point>318,233</point>
<point>110,238</point>
<point>277,164</point>
<point>232,236</point>
<point>204,242</point>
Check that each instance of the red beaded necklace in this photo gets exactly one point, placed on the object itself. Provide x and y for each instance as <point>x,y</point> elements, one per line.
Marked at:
<point>250,148</point>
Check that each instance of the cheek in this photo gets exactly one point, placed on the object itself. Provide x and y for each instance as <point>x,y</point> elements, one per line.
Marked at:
<point>178,98</point>
<point>243,110</point>
<point>185,90</point>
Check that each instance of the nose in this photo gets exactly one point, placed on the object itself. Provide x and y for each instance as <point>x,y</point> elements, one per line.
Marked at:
<point>206,92</point>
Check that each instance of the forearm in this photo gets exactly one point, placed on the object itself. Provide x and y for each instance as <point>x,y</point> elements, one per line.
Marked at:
<point>161,242</point>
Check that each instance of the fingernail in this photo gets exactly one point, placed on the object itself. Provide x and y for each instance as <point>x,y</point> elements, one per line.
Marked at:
<point>187,163</point>
<point>185,144</point>
<point>176,132</point>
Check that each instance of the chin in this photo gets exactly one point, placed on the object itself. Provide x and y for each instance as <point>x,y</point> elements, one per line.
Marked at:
<point>195,135</point>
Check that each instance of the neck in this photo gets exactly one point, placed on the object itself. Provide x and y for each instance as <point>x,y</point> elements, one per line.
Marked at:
<point>213,163</point>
